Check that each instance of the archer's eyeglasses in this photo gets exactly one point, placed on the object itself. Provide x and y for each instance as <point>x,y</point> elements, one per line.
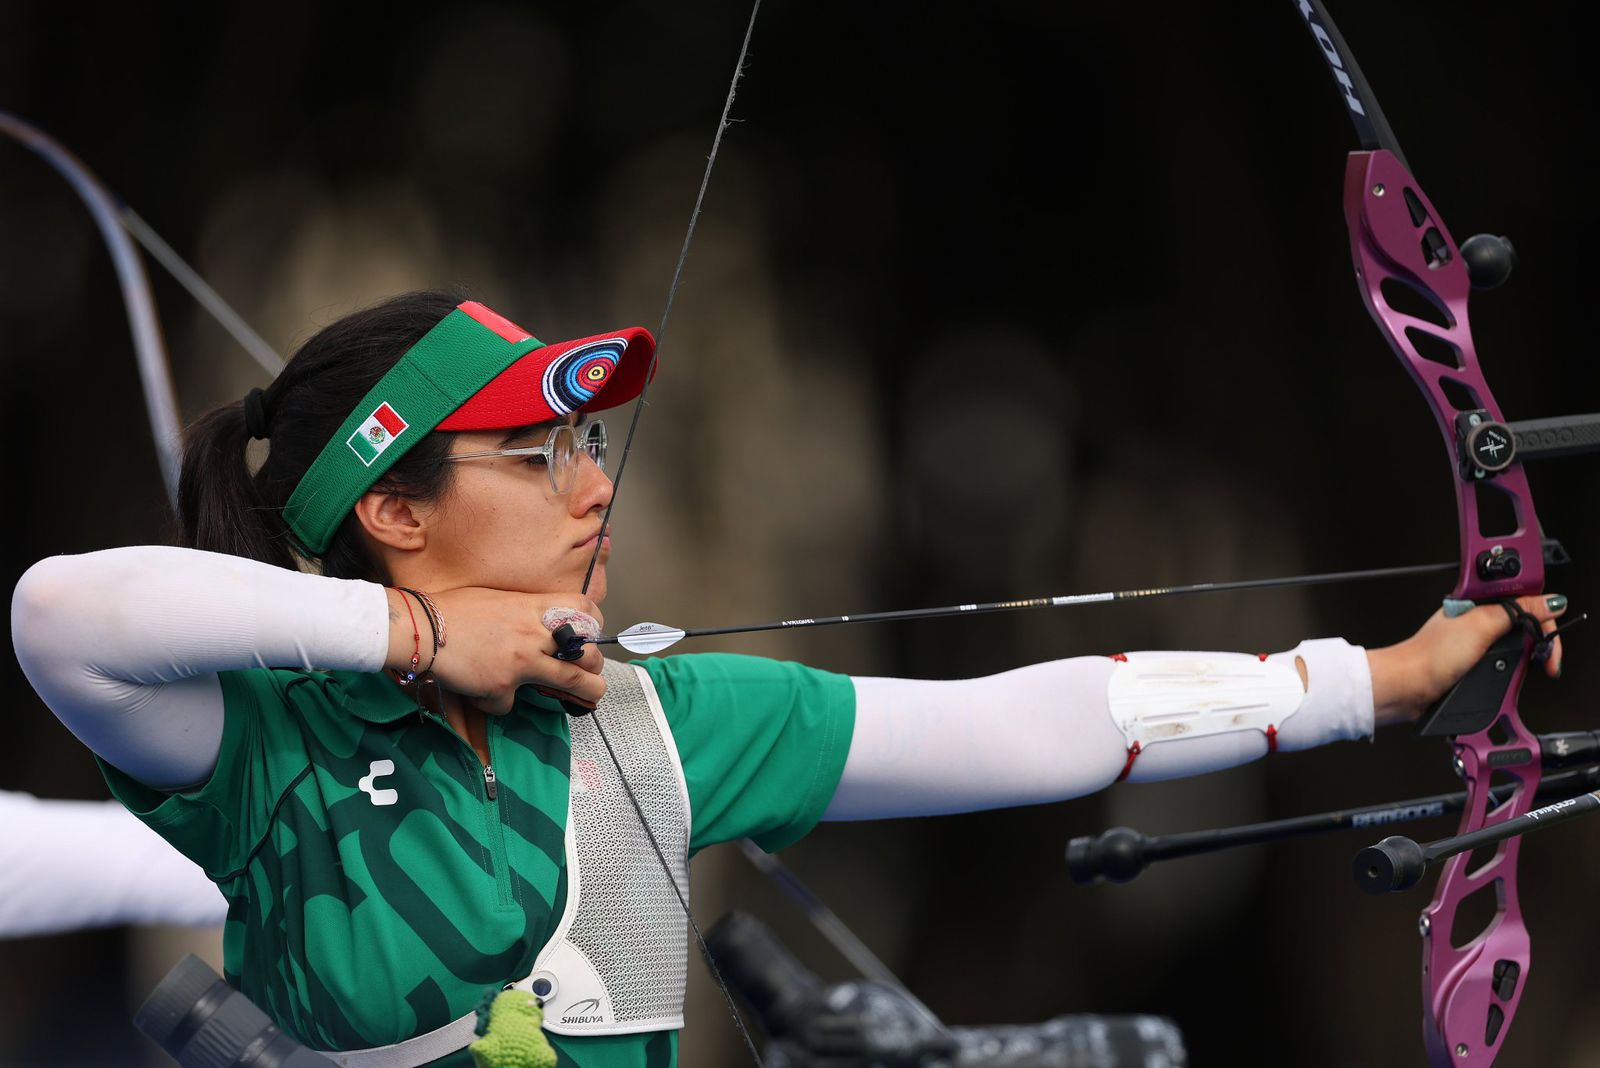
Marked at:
<point>559,453</point>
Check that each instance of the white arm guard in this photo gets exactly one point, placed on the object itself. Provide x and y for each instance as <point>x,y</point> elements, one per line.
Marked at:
<point>1234,707</point>
<point>1160,697</point>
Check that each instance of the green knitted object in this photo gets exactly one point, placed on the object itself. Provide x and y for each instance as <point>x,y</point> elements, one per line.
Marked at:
<point>512,1025</point>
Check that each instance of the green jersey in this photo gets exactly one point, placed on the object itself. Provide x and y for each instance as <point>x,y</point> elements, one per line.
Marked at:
<point>380,877</point>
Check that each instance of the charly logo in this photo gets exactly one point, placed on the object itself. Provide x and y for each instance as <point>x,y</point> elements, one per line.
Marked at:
<point>585,1011</point>
<point>368,784</point>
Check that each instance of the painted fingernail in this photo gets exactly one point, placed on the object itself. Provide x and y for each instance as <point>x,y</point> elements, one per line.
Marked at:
<point>1555,602</point>
<point>1453,607</point>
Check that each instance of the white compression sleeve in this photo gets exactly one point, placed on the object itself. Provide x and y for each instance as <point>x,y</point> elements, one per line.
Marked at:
<point>1044,733</point>
<point>66,865</point>
<point>124,645</point>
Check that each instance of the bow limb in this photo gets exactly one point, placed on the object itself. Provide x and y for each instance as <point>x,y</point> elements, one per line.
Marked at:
<point>1416,285</point>
<point>155,370</point>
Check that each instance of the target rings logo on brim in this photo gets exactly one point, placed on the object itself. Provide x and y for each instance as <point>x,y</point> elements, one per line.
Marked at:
<point>573,378</point>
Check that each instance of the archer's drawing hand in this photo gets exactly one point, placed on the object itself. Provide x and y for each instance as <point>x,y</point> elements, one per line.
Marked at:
<point>1411,675</point>
<point>497,642</point>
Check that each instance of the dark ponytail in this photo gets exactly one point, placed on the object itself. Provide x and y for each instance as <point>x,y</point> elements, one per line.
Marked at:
<point>224,508</point>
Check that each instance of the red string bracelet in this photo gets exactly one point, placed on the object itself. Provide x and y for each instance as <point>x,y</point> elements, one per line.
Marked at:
<point>435,623</point>
<point>416,642</point>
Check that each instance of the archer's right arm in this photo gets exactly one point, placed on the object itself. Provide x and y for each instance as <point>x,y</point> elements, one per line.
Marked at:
<point>124,645</point>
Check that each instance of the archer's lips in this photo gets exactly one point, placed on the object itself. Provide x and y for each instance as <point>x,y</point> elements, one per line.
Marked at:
<point>588,543</point>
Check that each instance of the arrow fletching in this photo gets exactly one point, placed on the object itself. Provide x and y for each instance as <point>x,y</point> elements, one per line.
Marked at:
<point>646,638</point>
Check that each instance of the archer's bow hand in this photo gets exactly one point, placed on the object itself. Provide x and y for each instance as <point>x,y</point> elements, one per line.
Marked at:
<point>1409,676</point>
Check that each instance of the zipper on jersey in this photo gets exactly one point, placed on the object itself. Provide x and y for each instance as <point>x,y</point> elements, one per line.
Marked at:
<point>494,831</point>
<point>495,822</point>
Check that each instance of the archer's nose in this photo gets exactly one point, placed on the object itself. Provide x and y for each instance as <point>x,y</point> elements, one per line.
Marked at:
<point>593,489</point>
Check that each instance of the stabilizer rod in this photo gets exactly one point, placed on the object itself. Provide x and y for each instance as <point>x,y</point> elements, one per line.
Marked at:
<point>1550,439</point>
<point>1399,863</point>
<point>1121,854</point>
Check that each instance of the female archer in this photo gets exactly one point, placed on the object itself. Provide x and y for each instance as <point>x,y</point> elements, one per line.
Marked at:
<point>342,699</point>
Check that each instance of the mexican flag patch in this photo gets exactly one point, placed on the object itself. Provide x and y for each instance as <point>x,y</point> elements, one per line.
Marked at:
<point>376,434</point>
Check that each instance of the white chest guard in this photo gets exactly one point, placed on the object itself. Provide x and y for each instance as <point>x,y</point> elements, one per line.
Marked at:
<point>617,963</point>
<point>1156,697</point>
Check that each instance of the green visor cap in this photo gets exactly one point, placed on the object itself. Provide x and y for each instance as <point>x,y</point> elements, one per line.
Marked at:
<point>437,375</point>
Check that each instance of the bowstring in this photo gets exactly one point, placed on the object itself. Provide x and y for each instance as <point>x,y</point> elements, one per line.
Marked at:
<point>672,294</point>
<point>683,903</point>
<point>605,524</point>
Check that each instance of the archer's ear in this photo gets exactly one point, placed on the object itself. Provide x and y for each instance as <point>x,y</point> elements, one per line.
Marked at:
<point>391,521</point>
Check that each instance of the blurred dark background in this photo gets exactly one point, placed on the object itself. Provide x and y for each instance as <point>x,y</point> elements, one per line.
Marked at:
<point>988,300</point>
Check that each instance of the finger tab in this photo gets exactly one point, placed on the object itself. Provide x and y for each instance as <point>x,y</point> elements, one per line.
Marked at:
<point>569,643</point>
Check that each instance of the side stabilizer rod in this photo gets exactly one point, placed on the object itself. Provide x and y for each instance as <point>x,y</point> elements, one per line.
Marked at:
<point>1121,854</point>
<point>1399,863</point>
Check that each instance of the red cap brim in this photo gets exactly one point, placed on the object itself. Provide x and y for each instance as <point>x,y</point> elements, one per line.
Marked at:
<point>586,375</point>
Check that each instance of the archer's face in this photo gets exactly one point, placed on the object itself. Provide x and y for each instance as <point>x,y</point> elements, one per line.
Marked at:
<point>502,526</point>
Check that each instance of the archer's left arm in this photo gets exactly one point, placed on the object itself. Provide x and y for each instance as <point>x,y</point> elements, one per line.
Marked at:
<point>1066,728</point>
